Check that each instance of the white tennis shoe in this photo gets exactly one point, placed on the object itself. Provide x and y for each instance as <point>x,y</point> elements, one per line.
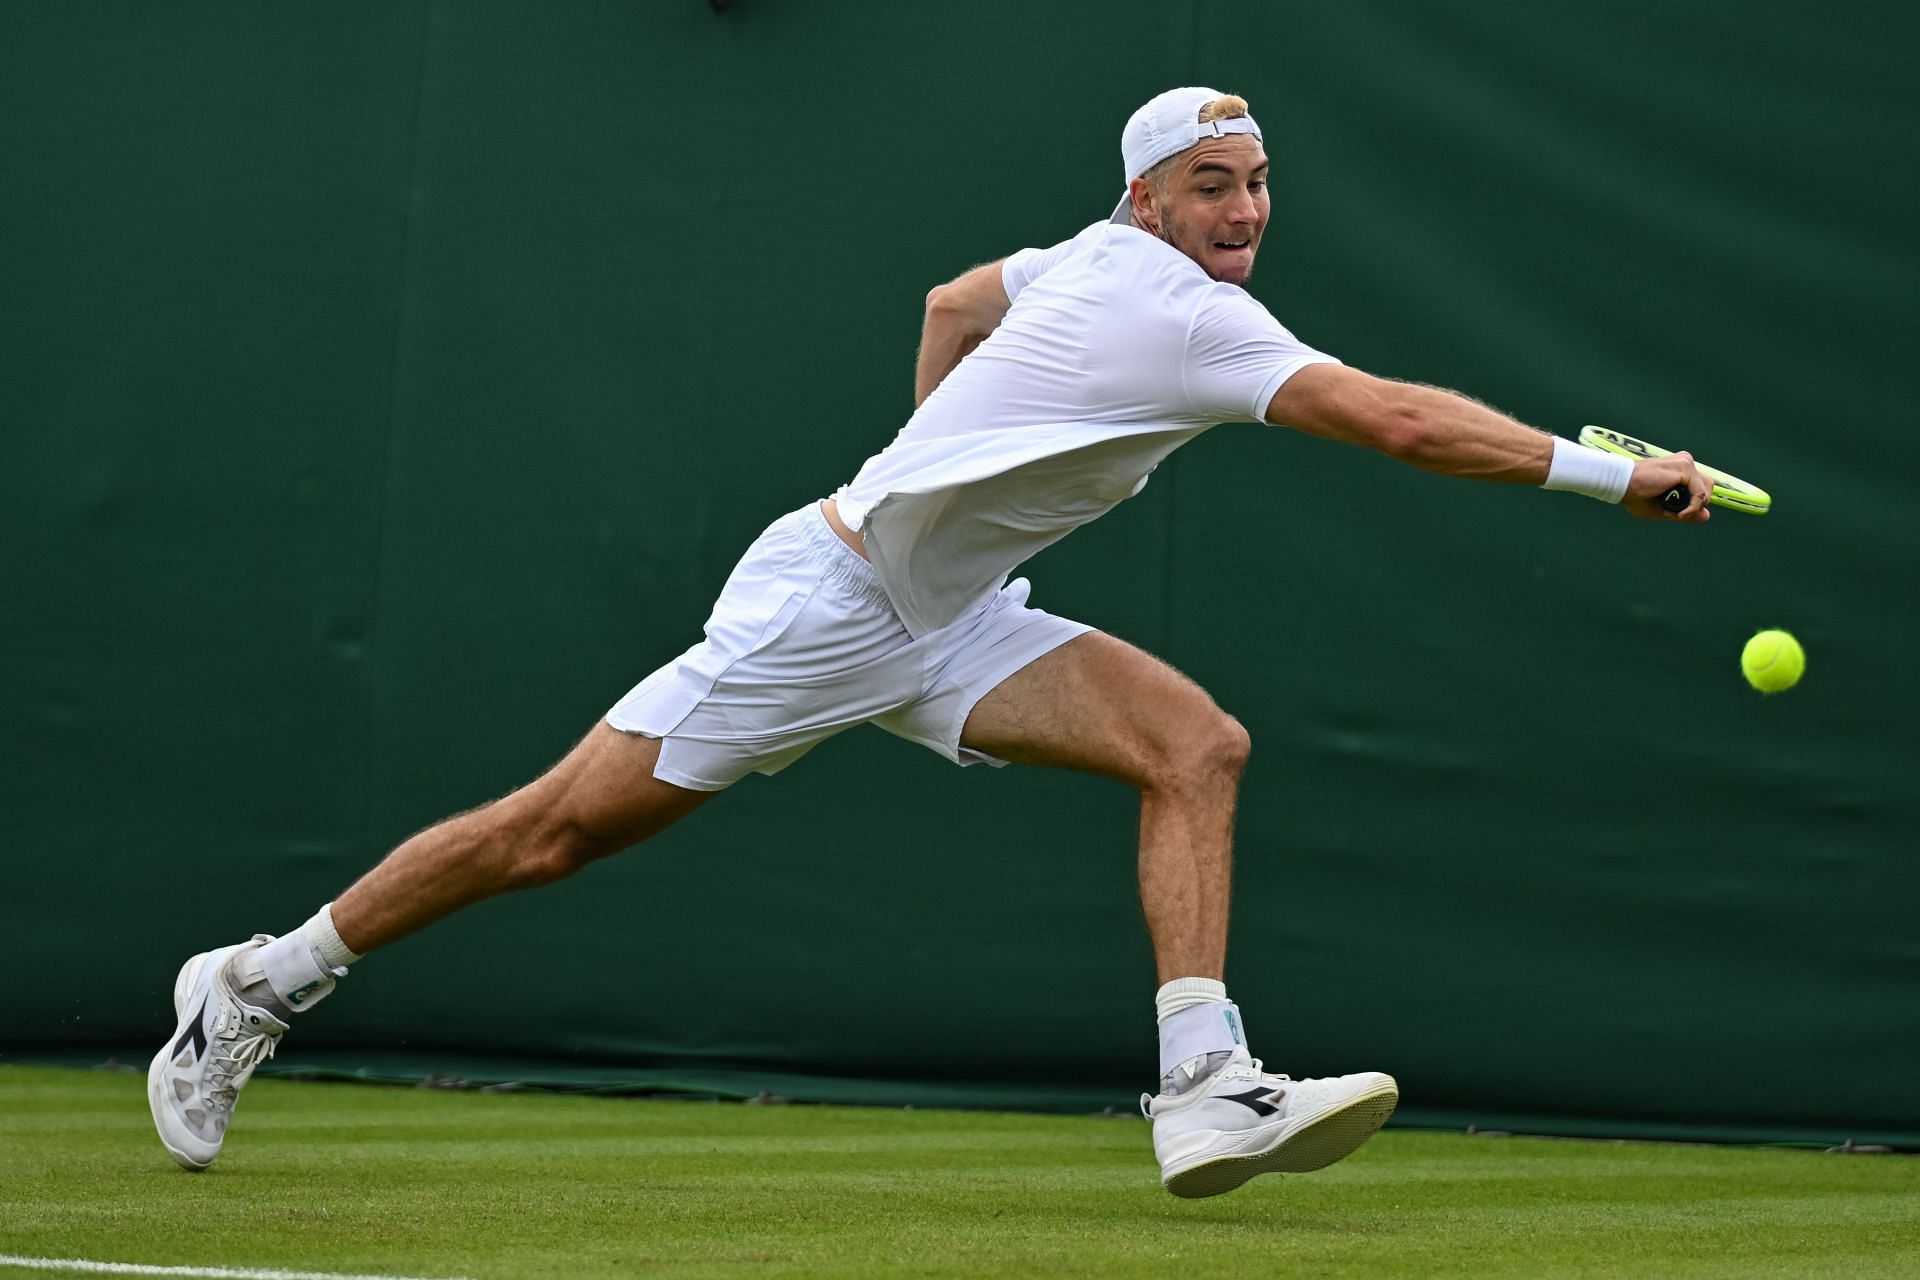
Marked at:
<point>199,1072</point>
<point>1240,1122</point>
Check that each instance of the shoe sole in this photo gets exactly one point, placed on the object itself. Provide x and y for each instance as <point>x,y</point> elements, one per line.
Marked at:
<point>1320,1142</point>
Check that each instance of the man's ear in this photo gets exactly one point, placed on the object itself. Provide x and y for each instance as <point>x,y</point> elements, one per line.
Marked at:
<point>1146,204</point>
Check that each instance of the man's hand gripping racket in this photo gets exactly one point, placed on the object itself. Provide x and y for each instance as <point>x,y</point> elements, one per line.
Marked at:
<point>1682,487</point>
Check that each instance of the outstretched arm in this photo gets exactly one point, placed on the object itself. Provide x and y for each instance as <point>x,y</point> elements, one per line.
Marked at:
<point>1450,434</point>
<point>960,315</point>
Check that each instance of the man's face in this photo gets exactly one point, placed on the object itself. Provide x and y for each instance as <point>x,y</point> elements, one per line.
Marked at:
<point>1214,207</point>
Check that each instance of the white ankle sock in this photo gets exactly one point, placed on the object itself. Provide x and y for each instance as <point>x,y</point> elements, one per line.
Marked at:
<point>325,940</point>
<point>1196,1019</point>
<point>1184,993</point>
<point>300,967</point>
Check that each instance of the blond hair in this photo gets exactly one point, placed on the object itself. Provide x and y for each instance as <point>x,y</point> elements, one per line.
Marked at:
<point>1230,107</point>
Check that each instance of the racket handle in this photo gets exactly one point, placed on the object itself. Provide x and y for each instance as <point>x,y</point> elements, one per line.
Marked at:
<point>1675,499</point>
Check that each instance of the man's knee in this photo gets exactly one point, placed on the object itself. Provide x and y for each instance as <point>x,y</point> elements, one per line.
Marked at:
<point>541,848</point>
<point>1209,753</point>
<point>1235,744</point>
<point>1228,745</point>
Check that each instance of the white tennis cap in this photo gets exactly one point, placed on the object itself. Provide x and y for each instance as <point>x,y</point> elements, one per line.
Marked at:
<point>1166,126</point>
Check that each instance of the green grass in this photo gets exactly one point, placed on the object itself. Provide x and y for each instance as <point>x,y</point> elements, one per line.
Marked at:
<point>402,1181</point>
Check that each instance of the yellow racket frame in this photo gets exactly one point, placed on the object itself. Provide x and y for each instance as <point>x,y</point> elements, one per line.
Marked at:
<point>1729,491</point>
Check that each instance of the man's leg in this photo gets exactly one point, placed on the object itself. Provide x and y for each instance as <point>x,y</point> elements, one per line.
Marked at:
<point>600,799</point>
<point>233,1003</point>
<point>1102,706</point>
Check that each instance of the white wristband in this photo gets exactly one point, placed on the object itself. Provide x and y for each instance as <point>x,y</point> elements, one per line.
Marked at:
<point>1577,469</point>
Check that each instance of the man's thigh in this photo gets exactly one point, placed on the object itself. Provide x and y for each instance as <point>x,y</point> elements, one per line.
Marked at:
<point>605,789</point>
<point>1097,704</point>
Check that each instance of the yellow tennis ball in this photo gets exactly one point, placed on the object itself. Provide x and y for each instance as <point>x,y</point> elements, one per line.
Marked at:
<point>1773,661</point>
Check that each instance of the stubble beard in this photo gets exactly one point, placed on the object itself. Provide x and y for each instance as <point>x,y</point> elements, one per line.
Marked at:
<point>1170,232</point>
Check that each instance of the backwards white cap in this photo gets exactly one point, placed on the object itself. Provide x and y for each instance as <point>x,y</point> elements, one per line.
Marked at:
<point>1167,125</point>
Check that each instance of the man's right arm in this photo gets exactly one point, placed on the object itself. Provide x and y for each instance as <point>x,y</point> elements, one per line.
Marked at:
<point>960,315</point>
<point>1450,434</point>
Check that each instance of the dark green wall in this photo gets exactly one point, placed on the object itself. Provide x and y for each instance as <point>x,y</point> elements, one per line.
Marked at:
<point>386,387</point>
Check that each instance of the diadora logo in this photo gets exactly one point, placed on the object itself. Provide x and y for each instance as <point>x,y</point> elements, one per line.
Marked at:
<point>195,1034</point>
<point>1262,1102</point>
<point>300,996</point>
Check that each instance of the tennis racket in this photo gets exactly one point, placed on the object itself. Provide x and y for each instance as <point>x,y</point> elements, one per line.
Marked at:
<point>1730,492</point>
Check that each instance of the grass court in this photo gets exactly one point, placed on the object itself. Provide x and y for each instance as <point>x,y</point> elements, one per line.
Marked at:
<point>363,1180</point>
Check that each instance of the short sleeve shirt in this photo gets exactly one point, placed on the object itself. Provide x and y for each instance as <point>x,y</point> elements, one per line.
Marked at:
<point>1115,350</point>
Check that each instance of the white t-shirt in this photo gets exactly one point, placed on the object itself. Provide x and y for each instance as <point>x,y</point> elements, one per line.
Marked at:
<point>1117,349</point>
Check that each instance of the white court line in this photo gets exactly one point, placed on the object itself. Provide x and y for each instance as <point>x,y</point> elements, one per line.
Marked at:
<point>218,1273</point>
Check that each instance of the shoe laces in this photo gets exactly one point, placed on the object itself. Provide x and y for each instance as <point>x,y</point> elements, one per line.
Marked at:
<point>231,1063</point>
<point>1254,1064</point>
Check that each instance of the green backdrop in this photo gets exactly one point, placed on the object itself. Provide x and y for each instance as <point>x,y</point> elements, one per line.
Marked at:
<point>386,387</point>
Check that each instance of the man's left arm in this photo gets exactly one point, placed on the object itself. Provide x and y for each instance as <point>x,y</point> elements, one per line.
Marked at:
<point>1453,435</point>
<point>960,315</point>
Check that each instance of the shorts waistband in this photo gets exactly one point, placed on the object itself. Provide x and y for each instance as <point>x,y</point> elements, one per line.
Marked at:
<point>844,567</point>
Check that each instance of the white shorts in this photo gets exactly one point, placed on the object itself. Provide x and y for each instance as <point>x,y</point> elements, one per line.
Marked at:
<point>802,644</point>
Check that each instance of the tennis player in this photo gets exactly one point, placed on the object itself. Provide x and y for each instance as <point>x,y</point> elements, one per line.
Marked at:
<point>1049,386</point>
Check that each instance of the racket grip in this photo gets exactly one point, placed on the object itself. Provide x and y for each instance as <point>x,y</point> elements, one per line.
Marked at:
<point>1675,500</point>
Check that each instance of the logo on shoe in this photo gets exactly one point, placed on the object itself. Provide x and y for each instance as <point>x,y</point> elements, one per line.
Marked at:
<point>1232,1016</point>
<point>1259,1101</point>
<point>300,996</point>
<point>195,1034</point>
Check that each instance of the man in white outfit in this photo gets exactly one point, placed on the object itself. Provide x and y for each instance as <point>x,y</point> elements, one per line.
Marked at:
<point>1049,387</point>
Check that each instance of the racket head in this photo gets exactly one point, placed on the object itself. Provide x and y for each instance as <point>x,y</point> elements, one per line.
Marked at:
<point>1729,491</point>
